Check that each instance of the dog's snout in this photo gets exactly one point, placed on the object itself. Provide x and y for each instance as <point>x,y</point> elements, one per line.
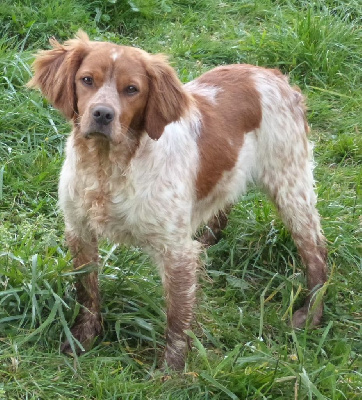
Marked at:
<point>98,121</point>
<point>103,114</point>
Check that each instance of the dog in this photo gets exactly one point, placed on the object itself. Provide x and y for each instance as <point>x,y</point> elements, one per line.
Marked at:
<point>150,160</point>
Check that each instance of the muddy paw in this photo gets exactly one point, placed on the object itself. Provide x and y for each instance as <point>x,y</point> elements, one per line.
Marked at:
<point>174,357</point>
<point>86,332</point>
<point>208,238</point>
<point>307,316</point>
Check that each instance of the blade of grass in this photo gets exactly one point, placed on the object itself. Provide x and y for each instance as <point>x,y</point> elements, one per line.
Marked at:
<point>47,322</point>
<point>2,169</point>
<point>219,386</point>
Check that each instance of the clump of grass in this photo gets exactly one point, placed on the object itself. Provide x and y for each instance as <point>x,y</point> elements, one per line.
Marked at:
<point>37,22</point>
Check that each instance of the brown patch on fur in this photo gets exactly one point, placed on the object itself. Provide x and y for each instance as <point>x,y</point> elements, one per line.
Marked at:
<point>167,100</point>
<point>54,72</point>
<point>235,112</point>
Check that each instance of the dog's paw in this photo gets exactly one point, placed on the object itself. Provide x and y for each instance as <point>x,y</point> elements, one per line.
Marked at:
<point>173,363</point>
<point>86,332</point>
<point>307,317</point>
<point>209,237</point>
<point>174,358</point>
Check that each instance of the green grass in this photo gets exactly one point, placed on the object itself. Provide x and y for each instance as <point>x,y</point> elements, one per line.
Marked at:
<point>243,347</point>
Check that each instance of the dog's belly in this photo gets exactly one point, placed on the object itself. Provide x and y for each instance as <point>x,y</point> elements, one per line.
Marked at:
<point>232,185</point>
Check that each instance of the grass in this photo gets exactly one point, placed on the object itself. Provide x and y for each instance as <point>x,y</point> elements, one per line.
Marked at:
<point>243,347</point>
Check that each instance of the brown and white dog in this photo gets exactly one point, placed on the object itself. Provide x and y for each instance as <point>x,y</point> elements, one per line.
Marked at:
<point>149,160</point>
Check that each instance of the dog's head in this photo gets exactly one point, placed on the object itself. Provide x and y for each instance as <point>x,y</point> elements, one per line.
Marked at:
<point>109,90</point>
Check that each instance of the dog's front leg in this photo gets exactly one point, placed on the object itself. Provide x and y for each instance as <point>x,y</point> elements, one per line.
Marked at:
<point>88,324</point>
<point>179,270</point>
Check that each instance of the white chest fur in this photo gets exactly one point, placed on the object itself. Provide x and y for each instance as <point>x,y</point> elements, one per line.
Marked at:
<point>149,202</point>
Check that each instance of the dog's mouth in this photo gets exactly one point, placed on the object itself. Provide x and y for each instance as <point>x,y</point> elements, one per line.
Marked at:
<point>97,134</point>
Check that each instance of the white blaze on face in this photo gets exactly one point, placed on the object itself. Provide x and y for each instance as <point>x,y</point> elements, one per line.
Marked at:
<point>115,53</point>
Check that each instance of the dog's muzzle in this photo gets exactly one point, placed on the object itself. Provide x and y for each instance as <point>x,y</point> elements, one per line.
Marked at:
<point>102,116</point>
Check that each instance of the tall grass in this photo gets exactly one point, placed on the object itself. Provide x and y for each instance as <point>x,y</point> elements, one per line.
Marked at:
<point>243,347</point>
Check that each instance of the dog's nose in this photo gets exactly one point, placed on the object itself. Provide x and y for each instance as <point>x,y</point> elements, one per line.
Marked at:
<point>103,114</point>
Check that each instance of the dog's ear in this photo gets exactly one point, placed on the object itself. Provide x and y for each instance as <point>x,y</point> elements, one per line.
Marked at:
<point>55,69</point>
<point>167,99</point>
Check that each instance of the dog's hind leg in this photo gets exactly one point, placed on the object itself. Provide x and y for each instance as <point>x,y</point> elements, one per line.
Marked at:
<point>291,188</point>
<point>212,232</point>
<point>88,324</point>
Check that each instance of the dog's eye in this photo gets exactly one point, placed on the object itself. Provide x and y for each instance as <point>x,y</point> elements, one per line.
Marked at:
<point>131,89</point>
<point>87,80</point>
